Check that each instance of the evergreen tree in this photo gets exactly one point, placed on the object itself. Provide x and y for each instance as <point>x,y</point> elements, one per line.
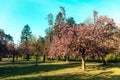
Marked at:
<point>61,16</point>
<point>70,21</point>
<point>25,37</point>
<point>50,19</point>
<point>26,33</point>
<point>49,31</point>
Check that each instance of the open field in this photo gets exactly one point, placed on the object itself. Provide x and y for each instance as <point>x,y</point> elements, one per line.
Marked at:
<point>24,70</point>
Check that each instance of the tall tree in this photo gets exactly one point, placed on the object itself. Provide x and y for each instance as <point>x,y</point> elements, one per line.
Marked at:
<point>25,36</point>
<point>63,13</point>
<point>95,15</point>
<point>37,47</point>
<point>61,16</point>
<point>26,33</point>
<point>49,31</point>
<point>34,48</point>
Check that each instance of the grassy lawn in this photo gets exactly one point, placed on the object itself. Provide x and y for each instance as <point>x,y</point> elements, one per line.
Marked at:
<point>24,70</point>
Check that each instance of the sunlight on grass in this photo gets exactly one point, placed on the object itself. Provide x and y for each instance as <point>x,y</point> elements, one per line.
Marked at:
<point>59,71</point>
<point>116,71</point>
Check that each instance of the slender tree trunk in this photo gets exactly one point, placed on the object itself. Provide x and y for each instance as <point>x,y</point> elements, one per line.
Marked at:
<point>28,57</point>
<point>0,58</point>
<point>8,57</point>
<point>36,60</point>
<point>103,60</point>
<point>43,57</point>
<point>13,60</point>
<point>83,63</point>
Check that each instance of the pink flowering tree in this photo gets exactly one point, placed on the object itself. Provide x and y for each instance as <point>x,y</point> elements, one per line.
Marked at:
<point>61,46</point>
<point>82,41</point>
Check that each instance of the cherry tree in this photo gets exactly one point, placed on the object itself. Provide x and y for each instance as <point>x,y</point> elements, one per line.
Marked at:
<point>4,39</point>
<point>61,45</point>
<point>23,49</point>
<point>12,50</point>
<point>91,40</point>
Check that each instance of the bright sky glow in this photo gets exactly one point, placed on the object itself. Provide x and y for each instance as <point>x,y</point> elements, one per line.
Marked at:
<point>14,14</point>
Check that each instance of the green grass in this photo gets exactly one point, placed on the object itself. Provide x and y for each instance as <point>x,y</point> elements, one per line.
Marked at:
<point>23,70</point>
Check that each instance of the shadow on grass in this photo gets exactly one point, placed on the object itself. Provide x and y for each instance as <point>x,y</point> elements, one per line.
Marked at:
<point>82,76</point>
<point>25,68</point>
<point>100,66</point>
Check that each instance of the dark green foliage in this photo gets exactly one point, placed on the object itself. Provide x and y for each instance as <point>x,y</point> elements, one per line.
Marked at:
<point>70,21</point>
<point>26,33</point>
<point>8,37</point>
<point>2,34</point>
<point>5,37</point>
<point>49,31</point>
<point>49,36</point>
<point>50,19</point>
<point>61,16</point>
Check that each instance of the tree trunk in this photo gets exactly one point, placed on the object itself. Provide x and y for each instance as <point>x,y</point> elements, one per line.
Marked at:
<point>103,60</point>
<point>36,60</point>
<point>43,57</point>
<point>13,60</point>
<point>0,58</point>
<point>67,58</point>
<point>8,57</point>
<point>83,63</point>
<point>28,57</point>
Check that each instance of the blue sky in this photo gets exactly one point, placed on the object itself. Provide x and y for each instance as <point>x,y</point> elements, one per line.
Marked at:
<point>14,14</point>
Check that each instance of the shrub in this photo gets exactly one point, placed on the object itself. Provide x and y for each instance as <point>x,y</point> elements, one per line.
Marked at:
<point>111,58</point>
